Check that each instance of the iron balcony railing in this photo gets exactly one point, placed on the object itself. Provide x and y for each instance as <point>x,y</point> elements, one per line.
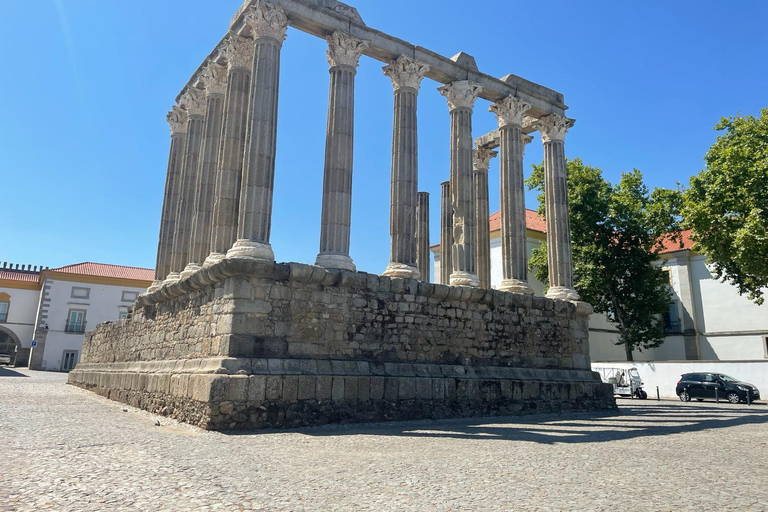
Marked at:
<point>77,327</point>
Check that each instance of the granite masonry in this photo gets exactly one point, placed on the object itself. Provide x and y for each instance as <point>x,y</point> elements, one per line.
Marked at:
<point>226,338</point>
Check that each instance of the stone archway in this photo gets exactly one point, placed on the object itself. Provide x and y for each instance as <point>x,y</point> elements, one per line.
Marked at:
<point>9,343</point>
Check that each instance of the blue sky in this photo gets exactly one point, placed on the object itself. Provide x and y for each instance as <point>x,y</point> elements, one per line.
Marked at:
<point>86,85</point>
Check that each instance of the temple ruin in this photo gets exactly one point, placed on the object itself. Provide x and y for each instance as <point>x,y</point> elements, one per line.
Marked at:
<point>228,338</point>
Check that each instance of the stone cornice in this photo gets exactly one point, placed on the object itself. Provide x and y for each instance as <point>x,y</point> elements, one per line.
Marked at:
<point>481,159</point>
<point>510,111</point>
<point>461,94</point>
<point>177,119</point>
<point>405,72</point>
<point>267,20</point>
<point>344,50</point>
<point>214,79</point>
<point>238,51</point>
<point>552,127</point>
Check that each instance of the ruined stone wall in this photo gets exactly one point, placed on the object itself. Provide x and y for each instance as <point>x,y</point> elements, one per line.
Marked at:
<point>302,311</point>
<point>248,344</point>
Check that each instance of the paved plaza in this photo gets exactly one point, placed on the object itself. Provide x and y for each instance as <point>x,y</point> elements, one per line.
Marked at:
<point>68,449</point>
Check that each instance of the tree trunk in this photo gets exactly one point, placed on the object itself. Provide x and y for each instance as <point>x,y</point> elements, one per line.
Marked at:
<point>628,350</point>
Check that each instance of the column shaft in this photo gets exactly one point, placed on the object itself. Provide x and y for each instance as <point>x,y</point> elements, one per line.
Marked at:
<point>462,200</point>
<point>230,169</point>
<point>558,224</point>
<point>446,233</point>
<point>170,198</point>
<point>200,240</point>
<point>422,236</point>
<point>482,226</point>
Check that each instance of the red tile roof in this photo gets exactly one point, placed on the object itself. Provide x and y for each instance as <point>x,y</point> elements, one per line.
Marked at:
<point>533,221</point>
<point>105,270</point>
<point>18,275</point>
<point>668,245</point>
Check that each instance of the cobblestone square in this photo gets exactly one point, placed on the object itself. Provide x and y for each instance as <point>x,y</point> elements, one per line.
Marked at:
<point>68,449</point>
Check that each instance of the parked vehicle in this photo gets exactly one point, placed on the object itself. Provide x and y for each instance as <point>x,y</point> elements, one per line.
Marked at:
<point>712,386</point>
<point>626,382</point>
<point>6,359</point>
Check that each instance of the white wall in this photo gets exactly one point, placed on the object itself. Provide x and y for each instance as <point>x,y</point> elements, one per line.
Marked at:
<point>21,313</point>
<point>666,374</point>
<point>104,303</point>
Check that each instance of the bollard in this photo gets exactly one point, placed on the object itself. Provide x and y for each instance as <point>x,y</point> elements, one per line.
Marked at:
<point>658,395</point>
<point>717,395</point>
<point>749,396</point>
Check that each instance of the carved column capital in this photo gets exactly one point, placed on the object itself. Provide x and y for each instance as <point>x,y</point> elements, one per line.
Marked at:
<point>267,20</point>
<point>481,159</point>
<point>177,119</point>
<point>344,50</point>
<point>525,139</point>
<point>214,79</point>
<point>194,101</point>
<point>510,111</point>
<point>461,94</point>
<point>552,127</point>
<point>406,72</point>
<point>238,51</point>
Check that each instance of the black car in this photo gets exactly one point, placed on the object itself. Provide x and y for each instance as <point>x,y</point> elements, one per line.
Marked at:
<point>709,386</point>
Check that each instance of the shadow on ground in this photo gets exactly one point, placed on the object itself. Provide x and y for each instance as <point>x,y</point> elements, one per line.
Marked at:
<point>7,372</point>
<point>629,423</point>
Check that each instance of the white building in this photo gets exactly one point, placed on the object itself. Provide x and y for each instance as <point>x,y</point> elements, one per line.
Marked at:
<point>48,310</point>
<point>707,319</point>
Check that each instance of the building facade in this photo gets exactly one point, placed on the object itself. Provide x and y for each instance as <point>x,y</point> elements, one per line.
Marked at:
<point>44,312</point>
<point>707,319</point>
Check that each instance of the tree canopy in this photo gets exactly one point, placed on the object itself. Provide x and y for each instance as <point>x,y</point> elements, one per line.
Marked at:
<point>726,205</point>
<point>615,233</point>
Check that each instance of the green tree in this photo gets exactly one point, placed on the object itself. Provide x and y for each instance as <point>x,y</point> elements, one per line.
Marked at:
<point>726,205</point>
<point>615,233</point>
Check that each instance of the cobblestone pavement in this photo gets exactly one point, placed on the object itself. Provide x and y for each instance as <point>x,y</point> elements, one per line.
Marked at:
<point>67,449</point>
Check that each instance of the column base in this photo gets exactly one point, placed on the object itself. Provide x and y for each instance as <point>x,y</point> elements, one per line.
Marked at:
<point>463,278</point>
<point>213,259</point>
<point>173,277</point>
<point>562,293</point>
<point>154,286</point>
<point>251,249</point>
<point>190,269</point>
<point>335,261</point>
<point>516,286</point>
<point>401,270</point>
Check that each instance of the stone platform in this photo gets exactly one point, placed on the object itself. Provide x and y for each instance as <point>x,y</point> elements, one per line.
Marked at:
<point>249,344</point>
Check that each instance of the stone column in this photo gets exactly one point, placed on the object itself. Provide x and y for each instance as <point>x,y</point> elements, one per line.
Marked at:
<point>406,75</point>
<point>238,51</point>
<point>482,161</point>
<point>194,101</point>
<point>509,114</point>
<point>177,119</point>
<point>214,79</point>
<point>422,235</point>
<point>268,24</point>
<point>446,233</point>
<point>553,128</point>
<point>461,99</point>
<point>343,56</point>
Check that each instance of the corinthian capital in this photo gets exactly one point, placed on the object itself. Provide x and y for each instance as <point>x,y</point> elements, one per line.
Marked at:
<point>481,158</point>
<point>406,72</point>
<point>177,119</point>
<point>552,127</point>
<point>214,78</point>
<point>267,20</point>
<point>238,51</point>
<point>461,94</point>
<point>344,50</point>
<point>194,101</point>
<point>510,111</point>
<point>525,140</point>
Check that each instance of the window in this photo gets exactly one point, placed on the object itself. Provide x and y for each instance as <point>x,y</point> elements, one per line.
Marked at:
<point>4,311</point>
<point>129,296</point>
<point>68,360</point>
<point>76,321</point>
<point>667,275</point>
<point>80,293</point>
<point>123,314</point>
<point>765,346</point>
<point>671,320</point>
